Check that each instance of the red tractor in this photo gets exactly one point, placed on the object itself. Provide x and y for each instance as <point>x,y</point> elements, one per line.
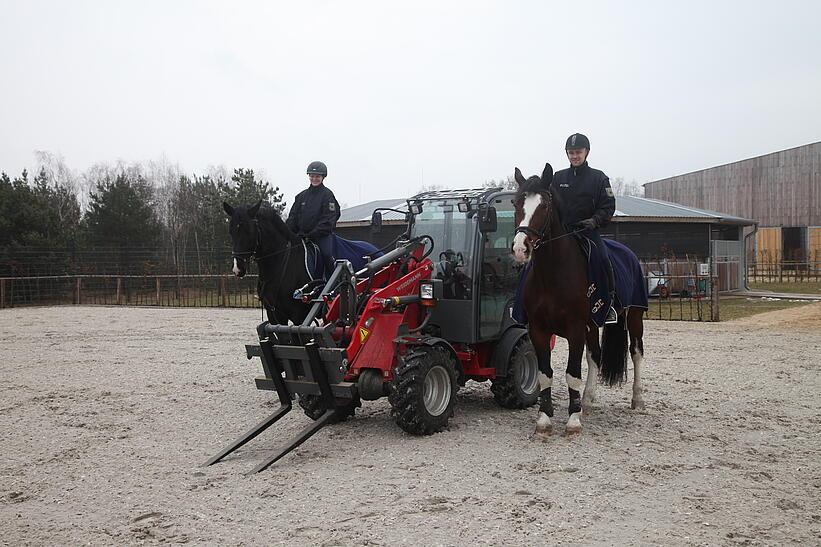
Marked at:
<point>413,325</point>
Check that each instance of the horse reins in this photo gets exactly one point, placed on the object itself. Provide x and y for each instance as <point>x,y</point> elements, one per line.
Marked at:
<point>540,234</point>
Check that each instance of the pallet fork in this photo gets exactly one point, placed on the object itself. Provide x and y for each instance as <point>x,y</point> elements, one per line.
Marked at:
<point>291,367</point>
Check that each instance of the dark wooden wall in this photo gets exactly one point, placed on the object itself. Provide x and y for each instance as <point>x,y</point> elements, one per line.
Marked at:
<point>778,189</point>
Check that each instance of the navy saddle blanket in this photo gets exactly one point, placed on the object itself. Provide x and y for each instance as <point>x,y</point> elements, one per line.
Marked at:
<point>631,288</point>
<point>347,249</point>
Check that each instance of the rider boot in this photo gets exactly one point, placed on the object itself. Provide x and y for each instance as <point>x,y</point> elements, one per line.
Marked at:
<point>612,316</point>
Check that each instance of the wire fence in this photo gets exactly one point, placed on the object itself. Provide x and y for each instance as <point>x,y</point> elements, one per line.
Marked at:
<point>673,298</point>
<point>130,290</point>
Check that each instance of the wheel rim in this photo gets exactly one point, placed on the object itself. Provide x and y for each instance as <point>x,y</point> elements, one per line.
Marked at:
<point>437,391</point>
<point>529,372</point>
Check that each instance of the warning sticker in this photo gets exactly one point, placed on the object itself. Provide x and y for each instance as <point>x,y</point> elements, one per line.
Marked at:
<point>363,333</point>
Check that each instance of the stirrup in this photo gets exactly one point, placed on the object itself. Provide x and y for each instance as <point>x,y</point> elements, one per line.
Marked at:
<point>612,316</point>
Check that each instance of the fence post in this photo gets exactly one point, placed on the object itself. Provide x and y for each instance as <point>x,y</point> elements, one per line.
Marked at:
<point>714,299</point>
<point>119,291</point>
<point>77,292</point>
<point>223,293</point>
<point>2,293</point>
<point>159,303</point>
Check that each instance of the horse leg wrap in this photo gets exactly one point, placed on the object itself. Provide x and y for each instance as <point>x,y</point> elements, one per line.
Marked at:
<point>546,403</point>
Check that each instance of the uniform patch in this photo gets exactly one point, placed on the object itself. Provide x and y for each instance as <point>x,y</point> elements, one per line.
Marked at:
<point>332,206</point>
<point>609,191</point>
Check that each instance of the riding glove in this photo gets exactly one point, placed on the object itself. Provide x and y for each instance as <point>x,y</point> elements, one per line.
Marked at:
<point>588,224</point>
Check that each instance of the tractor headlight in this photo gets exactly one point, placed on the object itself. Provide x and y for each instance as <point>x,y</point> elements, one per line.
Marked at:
<point>426,291</point>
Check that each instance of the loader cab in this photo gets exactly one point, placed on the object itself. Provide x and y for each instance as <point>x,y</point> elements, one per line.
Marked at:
<point>472,232</point>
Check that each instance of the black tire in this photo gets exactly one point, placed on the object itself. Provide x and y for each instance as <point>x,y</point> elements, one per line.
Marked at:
<point>314,408</point>
<point>423,391</point>
<point>520,388</point>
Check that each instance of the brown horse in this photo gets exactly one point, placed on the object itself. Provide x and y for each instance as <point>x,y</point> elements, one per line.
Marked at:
<point>555,299</point>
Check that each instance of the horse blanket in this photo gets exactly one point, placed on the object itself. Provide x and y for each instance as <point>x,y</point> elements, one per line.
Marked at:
<point>347,249</point>
<point>631,289</point>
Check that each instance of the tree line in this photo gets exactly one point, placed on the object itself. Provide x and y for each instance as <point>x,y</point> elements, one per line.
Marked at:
<point>138,218</point>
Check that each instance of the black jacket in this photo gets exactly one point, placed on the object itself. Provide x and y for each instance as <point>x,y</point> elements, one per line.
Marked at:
<point>584,193</point>
<point>314,212</point>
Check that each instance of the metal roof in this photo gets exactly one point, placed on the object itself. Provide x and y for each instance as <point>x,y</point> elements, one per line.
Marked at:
<point>638,209</point>
<point>362,213</point>
<point>628,209</point>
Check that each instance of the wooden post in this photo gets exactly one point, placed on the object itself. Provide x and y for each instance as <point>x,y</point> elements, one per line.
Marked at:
<point>77,299</point>
<point>223,293</point>
<point>714,299</point>
<point>119,291</point>
<point>159,303</point>
<point>2,293</point>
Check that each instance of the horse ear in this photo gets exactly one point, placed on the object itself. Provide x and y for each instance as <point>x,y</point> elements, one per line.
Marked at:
<point>252,212</point>
<point>547,175</point>
<point>228,209</point>
<point>518,176</point>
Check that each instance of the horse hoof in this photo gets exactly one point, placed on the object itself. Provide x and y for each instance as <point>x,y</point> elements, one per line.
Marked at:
<point>543,433</point>
<point>637,404</point>
<point>543,427</point>
<point>574,424</point>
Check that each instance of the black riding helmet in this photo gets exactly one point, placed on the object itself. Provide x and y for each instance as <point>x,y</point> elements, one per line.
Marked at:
<point>317,168</point>
<point>577,140</point>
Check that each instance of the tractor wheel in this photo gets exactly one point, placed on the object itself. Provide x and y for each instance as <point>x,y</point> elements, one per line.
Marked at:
<point>520,388</point>
<point>423,391</point>
<point>314,408</point>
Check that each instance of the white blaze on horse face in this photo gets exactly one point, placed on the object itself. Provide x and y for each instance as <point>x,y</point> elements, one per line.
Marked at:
<point>235,269</point>
<point>532,202</point>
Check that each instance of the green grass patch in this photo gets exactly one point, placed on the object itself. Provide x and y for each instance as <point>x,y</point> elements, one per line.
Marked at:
<point>730,307</point>
<point>792,287</point>
<point>736,307</point>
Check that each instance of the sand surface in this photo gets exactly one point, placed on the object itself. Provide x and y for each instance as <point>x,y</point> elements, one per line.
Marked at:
<point>107,413</point>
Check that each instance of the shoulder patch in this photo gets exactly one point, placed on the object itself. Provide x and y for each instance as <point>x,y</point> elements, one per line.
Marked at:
<point>609,191</point>
<point>331,206</point>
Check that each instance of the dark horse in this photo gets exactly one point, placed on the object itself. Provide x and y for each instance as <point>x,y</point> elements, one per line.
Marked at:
<point>258,232</point>
<point>556,302</point>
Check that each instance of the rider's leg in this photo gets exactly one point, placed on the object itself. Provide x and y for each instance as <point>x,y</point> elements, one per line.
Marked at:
<point>325,244</point>
<point>611,278</point>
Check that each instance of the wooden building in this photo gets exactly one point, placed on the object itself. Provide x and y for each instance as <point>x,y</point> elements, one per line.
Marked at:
<point>780,191</point>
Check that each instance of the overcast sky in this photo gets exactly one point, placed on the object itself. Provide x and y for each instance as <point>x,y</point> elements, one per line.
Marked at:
<point>395,95</point>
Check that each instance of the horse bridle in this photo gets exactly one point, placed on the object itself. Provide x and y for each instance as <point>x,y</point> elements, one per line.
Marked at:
<point>251,254</point>
<point>539,235</point>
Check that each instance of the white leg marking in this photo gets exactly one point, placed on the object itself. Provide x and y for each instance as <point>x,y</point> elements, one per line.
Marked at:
<point>544,381</point>
<point>235,269</point>
<point>574,383</point>
<point>592,380</point>
<point>543,426</point>
<point>532,202</point>
<point>574,423</point>
<point>638,399</point>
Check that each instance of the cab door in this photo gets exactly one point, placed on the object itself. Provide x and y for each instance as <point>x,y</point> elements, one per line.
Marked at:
<point>498,273</point>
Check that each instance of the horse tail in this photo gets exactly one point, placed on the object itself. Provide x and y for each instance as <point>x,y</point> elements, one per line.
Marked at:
<point>614,352</point>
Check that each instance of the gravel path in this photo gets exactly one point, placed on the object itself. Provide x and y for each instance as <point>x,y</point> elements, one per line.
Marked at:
<point>106,414</point>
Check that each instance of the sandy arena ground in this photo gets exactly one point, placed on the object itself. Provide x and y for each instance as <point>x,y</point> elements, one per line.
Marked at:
<point>107,413</point>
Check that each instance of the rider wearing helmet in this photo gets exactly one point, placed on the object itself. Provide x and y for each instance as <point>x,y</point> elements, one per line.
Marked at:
<point>315,212</point>
<point>587,201</point>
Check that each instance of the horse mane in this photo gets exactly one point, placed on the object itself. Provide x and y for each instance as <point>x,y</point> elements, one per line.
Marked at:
<point>270,214</point>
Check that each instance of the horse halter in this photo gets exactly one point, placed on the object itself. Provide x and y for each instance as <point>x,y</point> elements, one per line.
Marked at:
<point>539,236</point>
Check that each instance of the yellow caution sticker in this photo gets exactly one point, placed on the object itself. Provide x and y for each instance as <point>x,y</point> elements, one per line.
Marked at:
<point>363,333</point>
